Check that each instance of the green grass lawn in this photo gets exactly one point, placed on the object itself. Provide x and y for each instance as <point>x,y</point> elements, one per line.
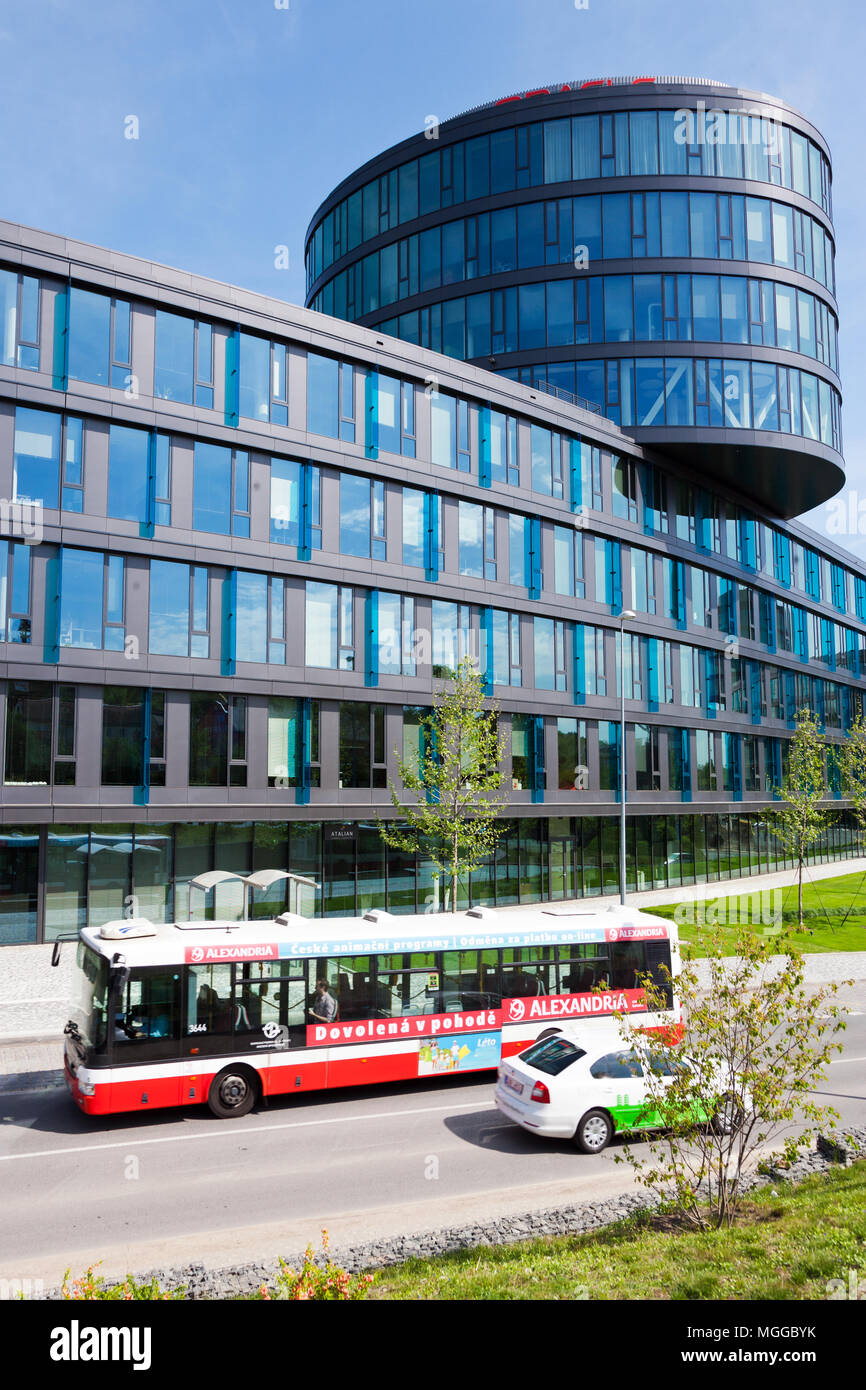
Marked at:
<point>827,896</point>
<point>784,1247</point>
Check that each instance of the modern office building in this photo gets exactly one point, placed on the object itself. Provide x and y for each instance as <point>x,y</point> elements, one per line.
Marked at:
<point>244,542</point>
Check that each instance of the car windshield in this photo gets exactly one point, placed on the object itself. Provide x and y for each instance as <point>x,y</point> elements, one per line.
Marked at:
<point>552,1055</point>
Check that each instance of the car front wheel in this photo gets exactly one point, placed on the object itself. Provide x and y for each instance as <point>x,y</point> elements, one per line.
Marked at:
<point>594,1132</point>
<point>729,1116</point>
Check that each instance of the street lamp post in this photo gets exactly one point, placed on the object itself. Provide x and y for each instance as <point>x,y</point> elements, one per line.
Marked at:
<point>625,616</point>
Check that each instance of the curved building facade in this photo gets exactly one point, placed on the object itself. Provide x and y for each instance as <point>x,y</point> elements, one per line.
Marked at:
<point>242,543</point>
<point>660,248</point>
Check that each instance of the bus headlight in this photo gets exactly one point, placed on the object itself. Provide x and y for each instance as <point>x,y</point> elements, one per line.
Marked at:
<point>85,1085</point>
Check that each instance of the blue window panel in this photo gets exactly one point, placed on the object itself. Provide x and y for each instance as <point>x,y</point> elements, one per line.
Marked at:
<point>748,547</point>
<point>128,470</point>
<point>212,485</point>
<point>251,593</point>
<point>229,624</point>
<point>782,558</point>
<point>828,644</point>
<point>37,455</point>
<point>732,753</point>
<point>532,539</point>
<point>686,747</point>
<point>232,378</point>
<point>801,632</point>
<point>579,652</point>
<point>651,646</point>
<point>371,637</point>
<point>535,738</point>
<point>754,670</point>
<point>485,469</point>
<point>790,698</point>
<point>60,347</point>
<point>89,346</point>
<point>575,470</point>
<point>613,575</point>
<point>431,536</point>
<point>488,662</point>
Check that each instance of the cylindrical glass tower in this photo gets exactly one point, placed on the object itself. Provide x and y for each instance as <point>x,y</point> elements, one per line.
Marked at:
<point>659,247</point>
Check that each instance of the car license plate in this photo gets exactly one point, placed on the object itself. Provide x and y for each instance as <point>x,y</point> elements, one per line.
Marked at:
<point>514,1085</point>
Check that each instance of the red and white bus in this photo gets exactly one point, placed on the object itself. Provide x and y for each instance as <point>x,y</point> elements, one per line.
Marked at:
<point>230,1013</point>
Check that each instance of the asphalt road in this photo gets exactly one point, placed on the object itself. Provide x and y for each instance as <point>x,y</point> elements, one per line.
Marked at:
<point>148,1190</point>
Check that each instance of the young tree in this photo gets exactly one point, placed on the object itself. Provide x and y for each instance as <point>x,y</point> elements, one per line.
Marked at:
<point>740,1072</point>
<point>802,816</point>
<point>457,779</point>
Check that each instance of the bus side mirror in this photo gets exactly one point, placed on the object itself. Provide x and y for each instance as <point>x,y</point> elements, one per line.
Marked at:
<point>118,975</point>
<point>58,942</point>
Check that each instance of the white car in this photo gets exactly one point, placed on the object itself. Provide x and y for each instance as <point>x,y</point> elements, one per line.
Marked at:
<point>586,1086</point>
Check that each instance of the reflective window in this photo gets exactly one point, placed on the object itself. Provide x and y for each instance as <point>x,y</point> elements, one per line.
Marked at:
<point>178,609</point>
<point>362,517</point>
<point>413,527</point>
<point>362,745</point>
<point>260,616</point>
<point>572,754</point>
<point>16,624</point>
<point>330,397</point>
<point>217,740</point>
<point>395,415</point>
<point>396,630</point>
<point>453,636</point>
<point>40,734</point>
<point>127,473</point>
<point>330,639</point>
<point>99,339</point>
<point>91,600</point>
<point>262,380</point>
<point>19,320</point>
<point>123,715</point>
<point>450,447</point>
<point>183,363</point>
<point>549,641</point>
<point>221,490</point>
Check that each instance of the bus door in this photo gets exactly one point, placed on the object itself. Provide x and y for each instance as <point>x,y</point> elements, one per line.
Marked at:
<point>146,1032</point>
<point>272,1001</point>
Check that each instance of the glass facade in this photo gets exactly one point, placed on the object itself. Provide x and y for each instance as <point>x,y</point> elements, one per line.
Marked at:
<point>726,144</point>
<point>214,661</point>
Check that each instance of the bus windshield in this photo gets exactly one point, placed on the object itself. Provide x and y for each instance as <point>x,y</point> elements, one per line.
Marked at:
<point>90,997</point>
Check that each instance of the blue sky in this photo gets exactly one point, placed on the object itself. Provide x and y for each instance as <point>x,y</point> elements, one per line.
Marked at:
<point>249,113</point>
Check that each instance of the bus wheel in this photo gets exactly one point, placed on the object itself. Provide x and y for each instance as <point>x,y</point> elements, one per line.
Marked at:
<point>233,1092</point>
<point>594,1132</point>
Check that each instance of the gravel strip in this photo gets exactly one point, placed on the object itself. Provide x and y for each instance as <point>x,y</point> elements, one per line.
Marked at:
<point>238,1280</point>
